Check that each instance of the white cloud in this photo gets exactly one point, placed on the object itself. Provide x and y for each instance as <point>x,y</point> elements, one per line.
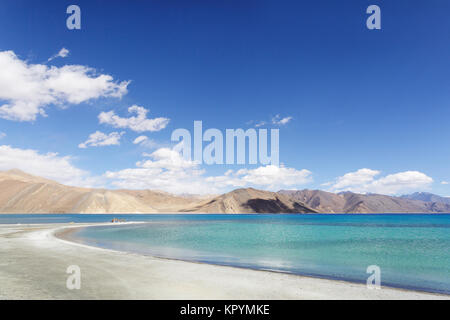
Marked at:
<point>146,142</point>
<point>138,123</point>
<point>357,178</point>
<point>444,182</point>
<point>98,139</point>
<point>48,165</point>
<point>277,120</point>
<point>28,89</point>
<point>229,180</point>
<point>2,135</point>
<point>269,177</point>
<point>167,170</point>
<point>61,54</point>
<point>364,181</point>
<point>168,159</point>
<point>140,139</point>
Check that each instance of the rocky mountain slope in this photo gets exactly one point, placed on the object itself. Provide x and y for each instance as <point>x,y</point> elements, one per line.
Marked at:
<point>251,201</point>
<point>349,202</point>
<point>24,193</point>
<point>427,197</point>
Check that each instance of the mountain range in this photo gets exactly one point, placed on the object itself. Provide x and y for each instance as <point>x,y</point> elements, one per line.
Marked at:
<point>24,193</point>
<point>349,202</point>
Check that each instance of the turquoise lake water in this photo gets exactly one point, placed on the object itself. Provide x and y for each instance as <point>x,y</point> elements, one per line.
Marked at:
<point>412,251</point>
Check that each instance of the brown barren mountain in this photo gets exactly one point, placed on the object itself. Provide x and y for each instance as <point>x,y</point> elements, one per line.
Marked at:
<point>24,193</point>
<point>349,202</point>
<point>251,201</point>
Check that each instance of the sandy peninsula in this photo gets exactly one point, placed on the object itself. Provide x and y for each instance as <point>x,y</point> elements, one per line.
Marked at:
<point>33,264</point>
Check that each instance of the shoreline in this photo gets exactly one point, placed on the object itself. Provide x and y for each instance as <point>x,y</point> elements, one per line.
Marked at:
<point>111,274</point>
<point>64,235</point>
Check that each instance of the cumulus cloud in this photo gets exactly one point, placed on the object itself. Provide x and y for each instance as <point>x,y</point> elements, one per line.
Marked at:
<point>365,181</point>
<point>138,123</point>
<point>99,139</point>
<point>61,54</point>
<point>228,180</point>
<point>167,170</point>
<point>361,177</point>
<point>269,177</point>
<point>444,182</point>
<point>28,89</point>
<point>48,165</point>
<point>168,159</point>
<point>274,176</point>
<point>277,120</point>
<point>2,135</point>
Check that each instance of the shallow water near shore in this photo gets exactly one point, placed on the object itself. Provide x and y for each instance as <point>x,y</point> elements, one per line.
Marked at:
<point>412,251</point>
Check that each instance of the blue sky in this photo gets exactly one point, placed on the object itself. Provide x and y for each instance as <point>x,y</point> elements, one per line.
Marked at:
<point>369,108</point>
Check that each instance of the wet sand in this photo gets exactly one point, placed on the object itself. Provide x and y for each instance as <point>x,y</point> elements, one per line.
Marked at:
<point>33,264</point>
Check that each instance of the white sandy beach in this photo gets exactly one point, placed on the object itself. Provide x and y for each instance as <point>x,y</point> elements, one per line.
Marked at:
<point>33,265</point>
